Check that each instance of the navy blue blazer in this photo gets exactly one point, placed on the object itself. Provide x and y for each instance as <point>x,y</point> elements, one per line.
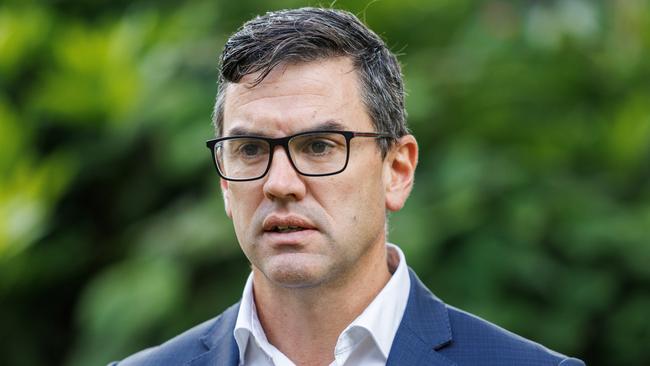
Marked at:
<point>431,333</point>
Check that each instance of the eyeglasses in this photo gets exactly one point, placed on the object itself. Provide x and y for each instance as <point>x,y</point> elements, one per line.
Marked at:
<point>313,153</point>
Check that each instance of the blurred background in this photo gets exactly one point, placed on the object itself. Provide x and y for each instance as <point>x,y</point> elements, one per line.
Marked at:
<point>532,199</point>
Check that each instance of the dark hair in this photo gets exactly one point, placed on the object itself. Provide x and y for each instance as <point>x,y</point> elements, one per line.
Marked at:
<point>310,34</point>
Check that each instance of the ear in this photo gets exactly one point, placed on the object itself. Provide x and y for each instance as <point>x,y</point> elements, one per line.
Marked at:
<point>399,171</point>
<point>225,192</point>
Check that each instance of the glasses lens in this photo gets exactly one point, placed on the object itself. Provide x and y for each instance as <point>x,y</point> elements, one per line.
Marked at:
<point>319,153</point>
<point>242,158</point>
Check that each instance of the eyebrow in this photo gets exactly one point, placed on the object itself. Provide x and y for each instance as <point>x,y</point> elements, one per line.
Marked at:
<point>329,125</point>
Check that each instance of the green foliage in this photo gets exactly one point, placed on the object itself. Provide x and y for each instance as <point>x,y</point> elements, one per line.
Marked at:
<point>532,199</point>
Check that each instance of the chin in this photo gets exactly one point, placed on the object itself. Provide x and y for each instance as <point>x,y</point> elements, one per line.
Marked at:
<point>295,271</point>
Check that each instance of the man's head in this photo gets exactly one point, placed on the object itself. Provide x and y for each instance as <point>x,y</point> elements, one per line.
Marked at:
<point>310,34</point>
<point>299,71</point>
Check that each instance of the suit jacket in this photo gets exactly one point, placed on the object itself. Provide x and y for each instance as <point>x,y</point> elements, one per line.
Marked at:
<point>431,333</point>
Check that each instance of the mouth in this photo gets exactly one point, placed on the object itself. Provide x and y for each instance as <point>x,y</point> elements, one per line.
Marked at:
<point>286,229</point>
<point>286,224</point>
<point>288,232</point>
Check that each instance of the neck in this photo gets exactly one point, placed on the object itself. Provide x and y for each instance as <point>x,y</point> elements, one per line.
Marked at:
<point>305,323</point>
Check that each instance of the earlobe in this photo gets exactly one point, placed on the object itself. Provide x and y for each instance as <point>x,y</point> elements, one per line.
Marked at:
<point>224,193</point>
<point>401,163</point>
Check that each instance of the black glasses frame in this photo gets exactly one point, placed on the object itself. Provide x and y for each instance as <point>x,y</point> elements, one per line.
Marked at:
<point>284,142</point>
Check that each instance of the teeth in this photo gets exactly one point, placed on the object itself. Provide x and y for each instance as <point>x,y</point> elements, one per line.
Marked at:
<point>285,229</point>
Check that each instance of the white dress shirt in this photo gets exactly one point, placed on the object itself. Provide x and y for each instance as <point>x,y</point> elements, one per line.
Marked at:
<point>366,341</point>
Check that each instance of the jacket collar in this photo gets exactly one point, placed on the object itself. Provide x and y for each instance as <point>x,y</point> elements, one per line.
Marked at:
<point>425,329</point>
<point>221,348</point>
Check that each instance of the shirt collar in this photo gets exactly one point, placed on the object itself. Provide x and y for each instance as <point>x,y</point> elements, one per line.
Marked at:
<point>248,327</point>
<point>380,319</point>
<point>384,314</point>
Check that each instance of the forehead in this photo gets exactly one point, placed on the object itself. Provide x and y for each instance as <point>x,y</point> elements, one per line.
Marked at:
<point>295,97</point>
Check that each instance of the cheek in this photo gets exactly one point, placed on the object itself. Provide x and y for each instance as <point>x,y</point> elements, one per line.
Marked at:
<point>242,202</point>
<point>354,199</point>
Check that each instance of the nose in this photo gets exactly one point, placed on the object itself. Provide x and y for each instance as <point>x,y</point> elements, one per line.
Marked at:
<point>283,182</point>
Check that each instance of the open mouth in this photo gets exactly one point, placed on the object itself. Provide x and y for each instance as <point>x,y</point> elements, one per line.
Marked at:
<point>287,224</point>
<point>286,229</point>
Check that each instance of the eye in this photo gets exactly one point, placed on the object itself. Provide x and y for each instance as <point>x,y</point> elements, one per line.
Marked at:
<point>318,147</point>
<point>250,149</point>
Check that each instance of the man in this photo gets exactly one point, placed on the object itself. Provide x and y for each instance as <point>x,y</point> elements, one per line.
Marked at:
<point>313,151</point>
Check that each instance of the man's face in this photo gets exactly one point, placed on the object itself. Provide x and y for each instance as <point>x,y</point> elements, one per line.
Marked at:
<point>341,217</point>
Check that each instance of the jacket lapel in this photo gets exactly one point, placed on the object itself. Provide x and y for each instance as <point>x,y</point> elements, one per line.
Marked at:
<point>425,328</point>
<point>219,342</point>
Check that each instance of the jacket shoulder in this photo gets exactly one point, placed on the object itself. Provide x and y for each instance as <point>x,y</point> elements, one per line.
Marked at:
<point>180,349</point>
<point>477,341</point>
